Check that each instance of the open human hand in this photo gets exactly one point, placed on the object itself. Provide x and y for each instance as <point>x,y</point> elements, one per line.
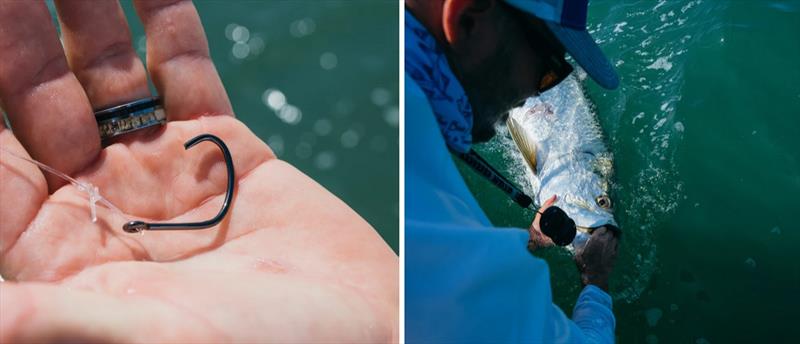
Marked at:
<point>290,262</point>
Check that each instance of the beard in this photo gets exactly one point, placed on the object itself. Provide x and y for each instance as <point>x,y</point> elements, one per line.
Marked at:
<point>484,130</point>
<point>491,94</point>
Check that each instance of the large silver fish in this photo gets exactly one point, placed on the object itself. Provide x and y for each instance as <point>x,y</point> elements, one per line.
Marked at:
<point>562,144</point>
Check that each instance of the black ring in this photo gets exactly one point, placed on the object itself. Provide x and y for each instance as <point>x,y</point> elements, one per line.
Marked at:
<point>125,118</point>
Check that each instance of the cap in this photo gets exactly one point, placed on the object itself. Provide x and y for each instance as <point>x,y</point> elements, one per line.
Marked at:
<point>567,20</point>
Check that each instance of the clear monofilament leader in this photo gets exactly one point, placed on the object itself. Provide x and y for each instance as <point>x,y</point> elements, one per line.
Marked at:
<point>92,191</point>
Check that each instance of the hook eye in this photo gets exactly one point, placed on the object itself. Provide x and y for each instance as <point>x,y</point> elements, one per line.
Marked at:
<point>138,226</point>
<point>603,201</point>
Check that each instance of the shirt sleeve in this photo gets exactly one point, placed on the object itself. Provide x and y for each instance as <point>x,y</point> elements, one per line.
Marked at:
<point>594,316</point>
<point>475,286</point>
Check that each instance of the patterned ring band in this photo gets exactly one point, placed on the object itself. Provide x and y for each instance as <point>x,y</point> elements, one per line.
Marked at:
<point>129,117</point>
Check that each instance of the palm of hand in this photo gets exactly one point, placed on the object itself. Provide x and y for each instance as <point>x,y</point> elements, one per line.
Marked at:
<point>290,262</point>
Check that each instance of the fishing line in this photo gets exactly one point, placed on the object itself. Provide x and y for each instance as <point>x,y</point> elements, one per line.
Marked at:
<point>92,191</point>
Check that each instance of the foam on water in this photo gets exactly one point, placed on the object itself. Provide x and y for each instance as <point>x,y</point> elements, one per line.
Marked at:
<point>661,63</point>
<point>642,120</point>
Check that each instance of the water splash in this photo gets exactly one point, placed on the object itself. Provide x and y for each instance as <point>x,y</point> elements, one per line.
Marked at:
<point>643,122</point>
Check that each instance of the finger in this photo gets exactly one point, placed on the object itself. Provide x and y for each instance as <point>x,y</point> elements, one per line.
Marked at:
<point>37,313</point>
<point>537,237</point>
<point>602,237</point>
<point>534,245</point>
<point>45,103</point>
<point>613,238</point>
<point>550,201</point>
<point>98,46</point>
<point>22,189</point>
<point>544,240</point>
<point>597,237</point>
<point>179,62</point>
<point>605,233</point>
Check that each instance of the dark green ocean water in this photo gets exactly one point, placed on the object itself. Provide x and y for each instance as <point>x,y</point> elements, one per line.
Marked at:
<point>317,81</point>
<point>707,187</point>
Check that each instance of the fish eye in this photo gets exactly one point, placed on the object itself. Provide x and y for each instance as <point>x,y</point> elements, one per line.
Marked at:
<point>603,201</point>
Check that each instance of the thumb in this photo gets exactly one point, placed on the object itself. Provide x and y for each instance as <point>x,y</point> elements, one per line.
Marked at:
<point>550,201</point>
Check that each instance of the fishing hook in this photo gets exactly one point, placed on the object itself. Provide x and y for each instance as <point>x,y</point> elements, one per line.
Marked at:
<point>138,226</point>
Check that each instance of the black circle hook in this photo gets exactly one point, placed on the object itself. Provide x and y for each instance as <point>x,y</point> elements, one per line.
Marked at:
<point>138,226</point>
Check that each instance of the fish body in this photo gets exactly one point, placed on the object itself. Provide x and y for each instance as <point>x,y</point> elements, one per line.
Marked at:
<point>562,145</point>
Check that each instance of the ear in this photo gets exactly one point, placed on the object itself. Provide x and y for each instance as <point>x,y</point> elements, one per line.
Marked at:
<point>459,18</point>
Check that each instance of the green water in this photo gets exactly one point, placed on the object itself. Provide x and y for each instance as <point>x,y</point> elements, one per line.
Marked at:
<point>337,70</point>
<point>704,134</point>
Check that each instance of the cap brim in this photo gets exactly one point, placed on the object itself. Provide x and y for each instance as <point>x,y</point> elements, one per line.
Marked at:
<point>583,49</point>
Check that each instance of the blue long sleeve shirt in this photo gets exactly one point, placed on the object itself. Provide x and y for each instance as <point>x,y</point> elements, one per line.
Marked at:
<point>466,280</point>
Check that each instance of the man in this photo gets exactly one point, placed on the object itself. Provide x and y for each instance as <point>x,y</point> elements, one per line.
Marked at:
<point>467,63</point>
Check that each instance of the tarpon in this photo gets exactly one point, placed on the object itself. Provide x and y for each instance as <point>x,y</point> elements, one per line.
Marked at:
<point>562,144</point>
